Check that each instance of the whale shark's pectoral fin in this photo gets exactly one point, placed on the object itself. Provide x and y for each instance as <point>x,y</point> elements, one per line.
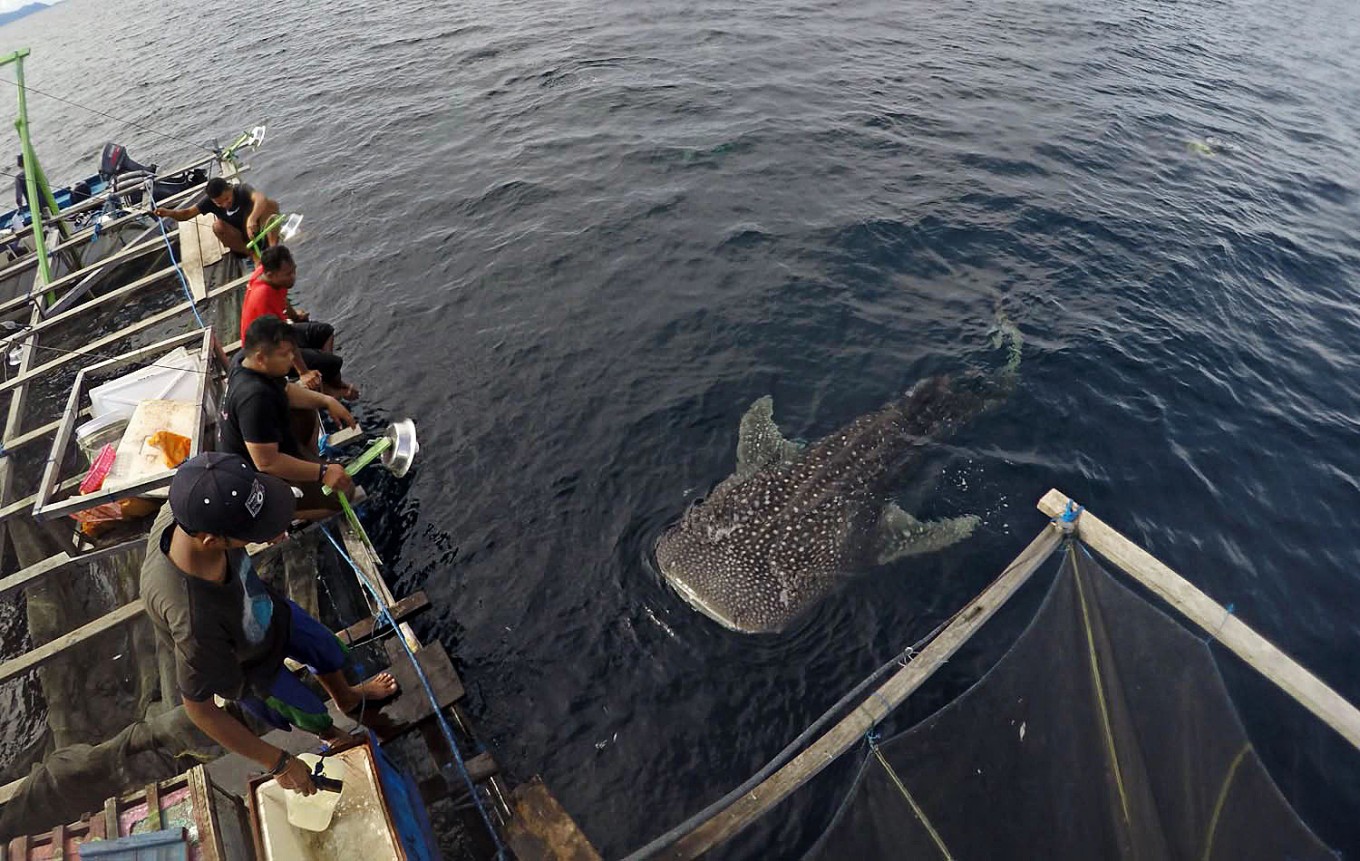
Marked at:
<point>759,442</point>
<point>900,534</point>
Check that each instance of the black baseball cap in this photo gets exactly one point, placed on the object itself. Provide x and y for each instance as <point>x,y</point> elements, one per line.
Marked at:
<point>222,494</point>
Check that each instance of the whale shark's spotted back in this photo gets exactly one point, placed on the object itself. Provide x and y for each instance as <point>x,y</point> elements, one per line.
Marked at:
<point>779,533</point>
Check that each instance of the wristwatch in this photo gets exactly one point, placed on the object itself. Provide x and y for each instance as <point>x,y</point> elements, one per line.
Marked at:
<point>322,477</point>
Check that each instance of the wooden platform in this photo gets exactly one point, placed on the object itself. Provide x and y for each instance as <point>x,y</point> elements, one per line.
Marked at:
<point>542,830</point>
<point>199,247</point>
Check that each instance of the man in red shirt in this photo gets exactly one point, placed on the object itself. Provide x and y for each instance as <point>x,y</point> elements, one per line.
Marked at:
<point>267,293</point>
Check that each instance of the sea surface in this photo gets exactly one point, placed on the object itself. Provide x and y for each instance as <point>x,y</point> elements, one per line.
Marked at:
<point>574,241</point>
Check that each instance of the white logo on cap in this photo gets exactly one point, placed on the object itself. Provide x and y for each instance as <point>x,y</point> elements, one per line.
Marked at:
<point>255,501</point>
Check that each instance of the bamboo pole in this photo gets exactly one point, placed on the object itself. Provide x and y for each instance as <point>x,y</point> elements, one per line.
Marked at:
<point>1211,617</point>
<point>846,734</point>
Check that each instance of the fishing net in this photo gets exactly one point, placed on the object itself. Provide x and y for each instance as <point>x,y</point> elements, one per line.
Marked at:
<point>1105,732</point>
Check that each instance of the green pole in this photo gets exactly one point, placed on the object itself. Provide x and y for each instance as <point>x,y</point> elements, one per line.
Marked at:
<point>30,173</point>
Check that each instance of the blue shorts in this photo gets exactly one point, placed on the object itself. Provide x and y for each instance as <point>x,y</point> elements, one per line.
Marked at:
<point>290,702</point>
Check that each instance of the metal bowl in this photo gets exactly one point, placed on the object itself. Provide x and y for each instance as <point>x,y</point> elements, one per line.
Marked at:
<point>402,453</point>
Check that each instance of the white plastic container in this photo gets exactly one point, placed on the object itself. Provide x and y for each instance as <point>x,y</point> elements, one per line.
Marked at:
<point>173,377</point>
<point>96,433</point>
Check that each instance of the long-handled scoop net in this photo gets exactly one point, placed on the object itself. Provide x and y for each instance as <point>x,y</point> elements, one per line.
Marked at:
<point>397,448</point>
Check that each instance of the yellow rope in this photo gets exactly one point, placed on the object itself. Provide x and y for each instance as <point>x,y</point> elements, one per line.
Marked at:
<point>1100,695</point>
<point>920,814</point>
<point>1222,798</point>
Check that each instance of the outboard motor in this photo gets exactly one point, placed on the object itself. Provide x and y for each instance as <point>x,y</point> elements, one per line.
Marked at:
<point>115,160</point>
<point>127,176</point>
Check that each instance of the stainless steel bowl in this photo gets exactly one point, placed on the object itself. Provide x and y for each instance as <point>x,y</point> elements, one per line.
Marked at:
<point>402,453</point>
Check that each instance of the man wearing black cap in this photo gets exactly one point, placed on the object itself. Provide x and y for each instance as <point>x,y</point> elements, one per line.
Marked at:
<point>230,632</point>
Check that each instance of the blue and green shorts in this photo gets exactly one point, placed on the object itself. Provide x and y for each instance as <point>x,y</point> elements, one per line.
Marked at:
<point>291,703</point>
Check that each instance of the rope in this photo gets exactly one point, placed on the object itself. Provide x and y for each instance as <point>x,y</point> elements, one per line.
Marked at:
<point>179,270</point>
<point>1100,697</point>
<point>133,123</point>
<point>897,662</point>
<point>872,738</point>
<point>385,614</point>
<point>1223,797</point>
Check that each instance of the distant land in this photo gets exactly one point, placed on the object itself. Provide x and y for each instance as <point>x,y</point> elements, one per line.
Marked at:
<point>6,17</point>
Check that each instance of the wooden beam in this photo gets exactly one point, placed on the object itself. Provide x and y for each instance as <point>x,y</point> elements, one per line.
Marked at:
<point>95,201</point>
<point>46,652</point>
<point>34,574</point>
<point>401,611</point>
<point>542,830</point>
<point>1213,619</point>
<point>25,505</point>
<point>850,731</point>
<point>38,433</point>
<point>83,235</point>
<point>82,288</point>
<point>92,347</point>
<point>119,294</point>
<point>198,247</point>
<point>370,572</point>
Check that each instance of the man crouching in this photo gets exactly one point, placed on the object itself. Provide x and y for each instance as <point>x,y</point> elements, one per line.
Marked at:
<point>229,631</point>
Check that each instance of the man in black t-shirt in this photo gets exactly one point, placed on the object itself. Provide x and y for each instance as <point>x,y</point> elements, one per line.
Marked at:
<point>256,421</point>
<point>241,211</point>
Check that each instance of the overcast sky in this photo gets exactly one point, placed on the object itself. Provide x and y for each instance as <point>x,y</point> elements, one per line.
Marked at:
<point>11,5</point>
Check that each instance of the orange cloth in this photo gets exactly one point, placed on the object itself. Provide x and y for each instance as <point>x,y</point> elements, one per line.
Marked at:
<point>174,448</point>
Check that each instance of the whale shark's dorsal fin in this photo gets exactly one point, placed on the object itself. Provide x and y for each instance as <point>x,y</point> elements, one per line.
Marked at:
<point>759,442</point>
<point>900,534</point>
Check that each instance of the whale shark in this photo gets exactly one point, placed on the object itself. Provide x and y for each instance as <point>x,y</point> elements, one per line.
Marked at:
<point>793,520</point>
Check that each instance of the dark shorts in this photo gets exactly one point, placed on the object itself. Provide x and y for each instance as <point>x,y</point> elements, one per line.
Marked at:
<point>312,335</point>
<point>311,338</point>
<point>290,702</point>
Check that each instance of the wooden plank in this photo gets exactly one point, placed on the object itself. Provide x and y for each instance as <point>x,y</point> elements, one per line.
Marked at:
<point>34,574</point>
<point>435,788</point>
<point>131,252</point>
<point>401,611</point>
<point>413,706</point>
<point>344,436</point>
<point>46,652</point>
<point>96,345</point>
<point>198,247</point>
<point>850,731</point>
<point>542,830</point>
<point>47,486</point>
<point>39,432</point>
<point>1211,617</point>
<point>370,572</point>
<point>97,200</point>
<point>111,297</point>
<point>84,235</point>
<point>25,505</point>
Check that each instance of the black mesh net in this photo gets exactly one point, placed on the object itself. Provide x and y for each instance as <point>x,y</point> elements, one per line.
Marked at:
<point>1105,732</point>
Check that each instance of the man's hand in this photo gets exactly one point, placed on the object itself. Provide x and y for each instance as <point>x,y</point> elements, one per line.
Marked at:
<point>339,413</point>
<point>312,380</point>
<point>160,212</point>
<point>296,777</point>
<point>337,479</point>
<point>252,226</point>
<point>299,315</point>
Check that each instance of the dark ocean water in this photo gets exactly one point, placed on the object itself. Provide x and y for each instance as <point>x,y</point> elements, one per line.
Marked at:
<point>575,240</point>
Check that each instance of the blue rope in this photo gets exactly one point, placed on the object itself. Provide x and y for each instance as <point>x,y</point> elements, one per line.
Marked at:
<point>188,294</point>
<point>1071,513</point>
<point>385,615</point>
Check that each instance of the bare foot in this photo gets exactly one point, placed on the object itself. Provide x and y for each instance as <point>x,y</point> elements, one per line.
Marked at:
<point>380,687</point>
